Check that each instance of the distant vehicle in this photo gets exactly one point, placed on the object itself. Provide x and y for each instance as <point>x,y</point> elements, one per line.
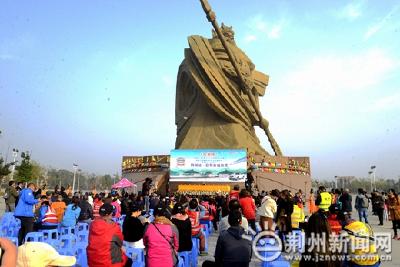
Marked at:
<point>236,177</point>
<point>180,161</point>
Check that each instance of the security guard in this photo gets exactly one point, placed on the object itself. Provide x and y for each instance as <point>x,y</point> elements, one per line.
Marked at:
<point>324,199</point>
<point>297,215</point>
<point>361,245</point>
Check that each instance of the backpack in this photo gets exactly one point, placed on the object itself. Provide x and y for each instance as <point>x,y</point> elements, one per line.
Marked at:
<point>364,202</point>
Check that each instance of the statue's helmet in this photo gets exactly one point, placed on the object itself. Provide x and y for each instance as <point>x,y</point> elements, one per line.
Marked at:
<point>226,31</point>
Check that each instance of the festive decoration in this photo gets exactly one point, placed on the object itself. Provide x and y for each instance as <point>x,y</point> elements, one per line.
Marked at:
<point>200,189</point>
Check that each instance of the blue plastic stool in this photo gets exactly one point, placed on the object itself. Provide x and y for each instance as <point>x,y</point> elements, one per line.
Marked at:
<point>81,256</point>
<point>82,236</point>
<point>34,237</point>
<point>49,233</point>
<point>15,225</point>
<point>67,230</point>
<point>184,258</point>
<point>209,225</point>
<point>195,251</point>
<point>205,241</point>
<point>7,217</point>
<point>55,243</point>
<point>67,245</point>
<point>137,256</point>
<point>4,231</point>
<point>205,229</point>
<point>151,211</point>
<point>82,227</point>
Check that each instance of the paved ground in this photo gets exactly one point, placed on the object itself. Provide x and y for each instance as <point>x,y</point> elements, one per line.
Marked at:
<point>373,220</point>
<point>387,227</point>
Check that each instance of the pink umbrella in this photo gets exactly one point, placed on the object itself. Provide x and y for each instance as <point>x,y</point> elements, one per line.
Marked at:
<point>123,184</point>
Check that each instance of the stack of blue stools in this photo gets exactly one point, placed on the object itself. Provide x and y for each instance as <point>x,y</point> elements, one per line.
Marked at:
<point>137,256</point>
<point>195,251</point>
<point>184,259</point>
<point>208,224</point>
<point>206,240</point>
<point>50,236</point>
<point>34,237</point>
<point>82,239</point>
<point>9,225</point>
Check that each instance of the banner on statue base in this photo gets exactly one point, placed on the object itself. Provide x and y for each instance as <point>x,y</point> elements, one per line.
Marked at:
<point>208,165</point>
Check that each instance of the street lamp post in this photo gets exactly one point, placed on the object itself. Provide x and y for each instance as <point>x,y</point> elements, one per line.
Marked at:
<point>373,168</point>
<point>79,176</point>
<point>370,177</point>
<point>75,167</point>
<point>336,182</point>
<point>15,154</point>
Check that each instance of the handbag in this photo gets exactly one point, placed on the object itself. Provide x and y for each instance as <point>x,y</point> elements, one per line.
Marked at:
<point>170,243</point>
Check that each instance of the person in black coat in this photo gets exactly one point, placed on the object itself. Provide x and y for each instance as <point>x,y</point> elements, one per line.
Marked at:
<point>133,226</point>
<point>346,200</point>
<point>182,222</point>
<point>86,214</point>
<point>232,249</point>
<point>284,212</point>
<point>379,204</point>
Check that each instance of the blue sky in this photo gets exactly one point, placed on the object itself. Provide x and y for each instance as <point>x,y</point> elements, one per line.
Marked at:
<point>88,83</point>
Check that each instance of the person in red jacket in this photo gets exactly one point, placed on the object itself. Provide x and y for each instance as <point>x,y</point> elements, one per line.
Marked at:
<point>195,213</point>
<point>96,206</point>
<point>234,194</point>
<point>333,221</point>
<point>105,241</point>
<point>248,207</point>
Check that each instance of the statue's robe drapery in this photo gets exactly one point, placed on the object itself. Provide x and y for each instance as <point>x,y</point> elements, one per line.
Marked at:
<point>211,110</point>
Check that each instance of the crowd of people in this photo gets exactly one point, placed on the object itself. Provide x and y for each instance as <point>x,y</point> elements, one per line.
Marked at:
<point>166,225</point>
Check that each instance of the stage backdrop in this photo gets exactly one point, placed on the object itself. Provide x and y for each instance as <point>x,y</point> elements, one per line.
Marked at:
<point>208,165</point>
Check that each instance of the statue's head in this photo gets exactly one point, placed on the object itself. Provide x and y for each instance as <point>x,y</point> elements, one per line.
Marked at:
<point>227,32</point>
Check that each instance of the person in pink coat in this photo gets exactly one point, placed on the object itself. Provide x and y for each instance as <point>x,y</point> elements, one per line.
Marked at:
<point>161,240</point>
<point>117,208</point>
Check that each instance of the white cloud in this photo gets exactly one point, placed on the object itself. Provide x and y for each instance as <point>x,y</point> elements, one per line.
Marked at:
<point>275,32</point>
<point>386,103</point>
<point>325,97</point>
<point>351,11</point>
<point>338,72</point>
<point>167,80</point>
<point>373,29</point>
<point>250,38</point>
<point>259,28</point>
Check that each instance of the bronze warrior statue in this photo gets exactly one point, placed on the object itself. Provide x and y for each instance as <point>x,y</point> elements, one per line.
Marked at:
<point>217,95</point>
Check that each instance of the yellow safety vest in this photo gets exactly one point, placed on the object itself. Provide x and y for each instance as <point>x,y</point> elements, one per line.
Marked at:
<point>297,216</point>
<point>326,200</point>
<point>360,235</point>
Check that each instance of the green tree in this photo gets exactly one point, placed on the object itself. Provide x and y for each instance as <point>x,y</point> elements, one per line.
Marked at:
<point>4,168</point>
<point>24,170</point>
<point>104,182</point>
<point>4,171</point>
<point>37,172</point>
